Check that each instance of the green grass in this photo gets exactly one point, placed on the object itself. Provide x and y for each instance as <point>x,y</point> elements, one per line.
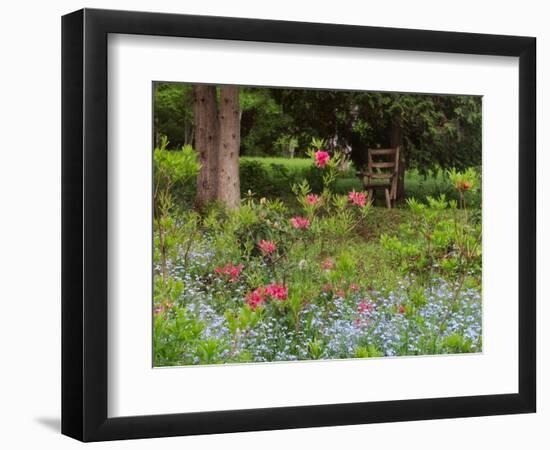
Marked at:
<point>291,163</point>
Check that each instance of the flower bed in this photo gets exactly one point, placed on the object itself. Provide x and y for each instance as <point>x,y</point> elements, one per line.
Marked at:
<point>277,282</point>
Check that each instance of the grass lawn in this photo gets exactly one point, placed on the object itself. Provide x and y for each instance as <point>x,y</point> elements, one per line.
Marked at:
<point>294,163</point>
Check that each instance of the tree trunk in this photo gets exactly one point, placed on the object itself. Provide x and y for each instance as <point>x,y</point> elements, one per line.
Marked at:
<point>396,138</point>
<point>229,189</point>
<point>206,141</point>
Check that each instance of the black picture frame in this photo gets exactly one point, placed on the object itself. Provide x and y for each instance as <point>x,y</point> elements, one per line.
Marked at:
<point>84,224</point>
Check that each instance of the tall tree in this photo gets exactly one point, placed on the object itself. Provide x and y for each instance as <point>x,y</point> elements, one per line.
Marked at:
<point>229,189</point>
<point>217,141</point>
<point>206,141</point>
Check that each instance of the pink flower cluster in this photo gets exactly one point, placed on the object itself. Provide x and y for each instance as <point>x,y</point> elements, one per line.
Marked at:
<point>267,247</point>
<point>321,159</point>
<point>358,198</point>
<point>300,223</point>
<point>364,307</point>
<point>230,270</point>
<point>313,199</point>
<point>255,298</point>
<point>260,295</point>
<point>278,291</point>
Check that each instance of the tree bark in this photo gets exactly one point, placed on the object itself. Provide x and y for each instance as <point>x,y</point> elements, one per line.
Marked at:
<point>396,139</point>
<point>206,141</point>
<point>229,189</point>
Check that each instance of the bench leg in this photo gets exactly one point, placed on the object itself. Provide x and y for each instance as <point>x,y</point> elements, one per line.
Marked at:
<point>388,200</point>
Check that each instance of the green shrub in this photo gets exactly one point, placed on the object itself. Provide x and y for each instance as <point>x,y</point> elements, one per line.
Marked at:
<point>254,177</point>
<point>174,172</point>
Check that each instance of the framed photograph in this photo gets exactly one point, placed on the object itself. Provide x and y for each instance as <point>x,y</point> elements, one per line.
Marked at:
<point>272,224</point>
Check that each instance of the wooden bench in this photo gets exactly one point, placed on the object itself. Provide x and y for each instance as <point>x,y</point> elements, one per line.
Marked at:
<point>382,173</point>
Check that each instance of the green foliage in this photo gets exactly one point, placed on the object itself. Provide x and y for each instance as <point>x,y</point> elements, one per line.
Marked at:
<point>263,124</point>
<point>174,173</point>
<point>286,145</point>
<point>174,230</point>
<point>369,351</point>
<point>176,336</point>
<point>440,240</point>
<point>439,131</point>
<point>274,177</point>
<point>456,343</point>
<point>173,113</point>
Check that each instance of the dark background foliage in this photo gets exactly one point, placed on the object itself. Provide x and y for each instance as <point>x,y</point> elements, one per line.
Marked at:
<point>436,131</point>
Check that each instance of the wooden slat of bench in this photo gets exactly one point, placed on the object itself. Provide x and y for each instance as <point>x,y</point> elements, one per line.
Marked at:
<point>382,165</point>
<point>380,176</point>
<point>382,151</point>
<point>377,186</point>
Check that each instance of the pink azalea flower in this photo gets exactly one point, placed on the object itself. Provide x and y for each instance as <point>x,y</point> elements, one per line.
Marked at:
<point>230,270</point>
<point>358,198</point>
<point>277,291</point>
<point>255,298</point>
<point>312,199</point>
<point>300,222</point>
<point>267,247</point>
<point>321,159</point>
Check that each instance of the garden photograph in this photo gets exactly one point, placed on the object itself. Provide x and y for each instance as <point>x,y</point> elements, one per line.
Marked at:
<point>295,224</point>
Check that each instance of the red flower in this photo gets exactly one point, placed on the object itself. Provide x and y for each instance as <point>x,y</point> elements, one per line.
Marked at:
<point>327,264</point>
<point>255,298</point>
<point>463,185</point>
<point>277,291</point>
<point>267,247</point>
<point>402,309</point>
<point>300,222</point>
<point>230,270</point>
<point>261,294</point>
<point>312,199</point>
<point>358,198</point>
<point>321,159</point>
